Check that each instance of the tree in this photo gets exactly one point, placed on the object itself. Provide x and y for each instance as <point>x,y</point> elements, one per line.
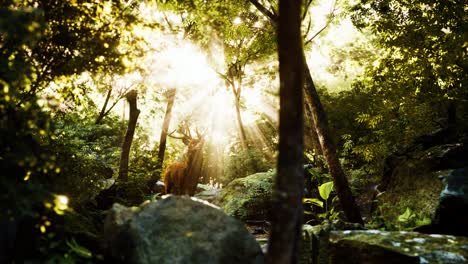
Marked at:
<point>424,44</point>
<point>243,39</point>
<point>134,112</point>
<point>287,226</point>
<point>114,92</point>
<point>76,36</point>
<point>328,147</point>
<point>170,95</point>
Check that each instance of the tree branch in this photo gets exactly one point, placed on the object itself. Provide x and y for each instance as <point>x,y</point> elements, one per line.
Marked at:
<point>271,15</point>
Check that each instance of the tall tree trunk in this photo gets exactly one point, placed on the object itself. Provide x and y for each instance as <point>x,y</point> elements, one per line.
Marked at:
<point>343,191</point>
<point>240,124</point>
<point>286,229</point>
<point>310,132</point>
<point>350,208</point>
<point>103,109</point>
<point>127,143</point>
<point>163,138</point>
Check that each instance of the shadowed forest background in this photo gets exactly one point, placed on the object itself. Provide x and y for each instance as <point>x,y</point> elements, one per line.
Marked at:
<point>99,100</point>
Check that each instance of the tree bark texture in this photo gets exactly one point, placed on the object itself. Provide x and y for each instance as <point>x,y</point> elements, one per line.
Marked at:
<point>350,208</point>
<point>310,132</point>
<point>287,220</point>
<point>127,143</point>
<point>165,128</point>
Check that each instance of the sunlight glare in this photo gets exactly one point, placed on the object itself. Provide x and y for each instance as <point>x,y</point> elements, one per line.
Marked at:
<point>237,21</point>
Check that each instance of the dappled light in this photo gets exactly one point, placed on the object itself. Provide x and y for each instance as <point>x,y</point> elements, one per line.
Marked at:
<point>164,124</point>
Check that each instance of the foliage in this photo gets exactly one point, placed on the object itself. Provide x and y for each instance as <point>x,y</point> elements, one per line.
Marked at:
<point>419,75</point>
<point>41,42</point>
<point>410,220</point>
<point>325,190</point>
<point>88,153</point>
<point>242,163</point>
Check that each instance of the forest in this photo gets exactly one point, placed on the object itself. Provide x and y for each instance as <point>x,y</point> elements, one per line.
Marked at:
<point>233,131</point>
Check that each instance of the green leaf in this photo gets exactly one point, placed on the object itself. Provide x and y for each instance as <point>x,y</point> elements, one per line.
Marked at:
<point>323,216</point>
<point>79,250</point>
<point>325,190</point>
<point>406,216</point>
<point>313,201</point>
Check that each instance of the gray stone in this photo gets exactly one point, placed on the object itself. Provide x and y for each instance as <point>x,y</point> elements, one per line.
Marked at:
<point>177,229</point>
<point>209,195</point>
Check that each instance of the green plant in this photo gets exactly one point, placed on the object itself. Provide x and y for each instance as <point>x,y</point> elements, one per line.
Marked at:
<point>410,220</point>
<point>325,190</point>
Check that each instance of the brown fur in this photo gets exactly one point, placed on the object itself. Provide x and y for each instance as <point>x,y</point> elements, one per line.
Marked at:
<point>174,178</point>
<point>182,177</point>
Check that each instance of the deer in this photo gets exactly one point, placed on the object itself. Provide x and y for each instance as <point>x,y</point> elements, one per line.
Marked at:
<point>181,178</point>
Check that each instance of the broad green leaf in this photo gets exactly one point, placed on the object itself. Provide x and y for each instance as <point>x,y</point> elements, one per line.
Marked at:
<point>313,201</point>
<point>325,190</point>
<point>406,216</point>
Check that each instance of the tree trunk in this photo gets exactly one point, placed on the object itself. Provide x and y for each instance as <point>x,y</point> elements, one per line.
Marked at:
<point>343,191</point>
<point>340,181</point>
<point>127,143</point>
<point>240,124</point>
<point>102,114</point>
<point>310,132</point>
<point>163,138</point>
<point>287,222</point>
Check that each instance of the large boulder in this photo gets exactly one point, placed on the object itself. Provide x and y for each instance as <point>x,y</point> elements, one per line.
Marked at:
<point>177,229</point>
<point>316,240</point>
<point>453,200</point>
<point>327,244</point>
<point>248,198</point>
<point>373,246</point>
<point>412,180</point>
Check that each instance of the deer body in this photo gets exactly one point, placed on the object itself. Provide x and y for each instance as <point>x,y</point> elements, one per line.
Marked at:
<point>182,177</point>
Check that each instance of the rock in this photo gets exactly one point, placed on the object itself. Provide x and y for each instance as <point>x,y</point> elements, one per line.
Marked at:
<point>373,246</point>
<point>209,195</point>
<point>248,198</point>
<point>177,229</point>
<point>413,181</point>
<point>315,240</point>
<point>453,200</point>
<point>203,187</point>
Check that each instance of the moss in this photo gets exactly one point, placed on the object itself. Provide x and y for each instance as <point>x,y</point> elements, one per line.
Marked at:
<point>413,186</point>
<point>401,245</point>
<point>248,198</point>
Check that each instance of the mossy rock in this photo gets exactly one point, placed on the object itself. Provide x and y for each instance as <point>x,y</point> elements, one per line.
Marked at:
<point>373,246</point>
<point>177,229</point>
<point>415,182</point>
<point>315,240</point>
<point>248,198</point>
